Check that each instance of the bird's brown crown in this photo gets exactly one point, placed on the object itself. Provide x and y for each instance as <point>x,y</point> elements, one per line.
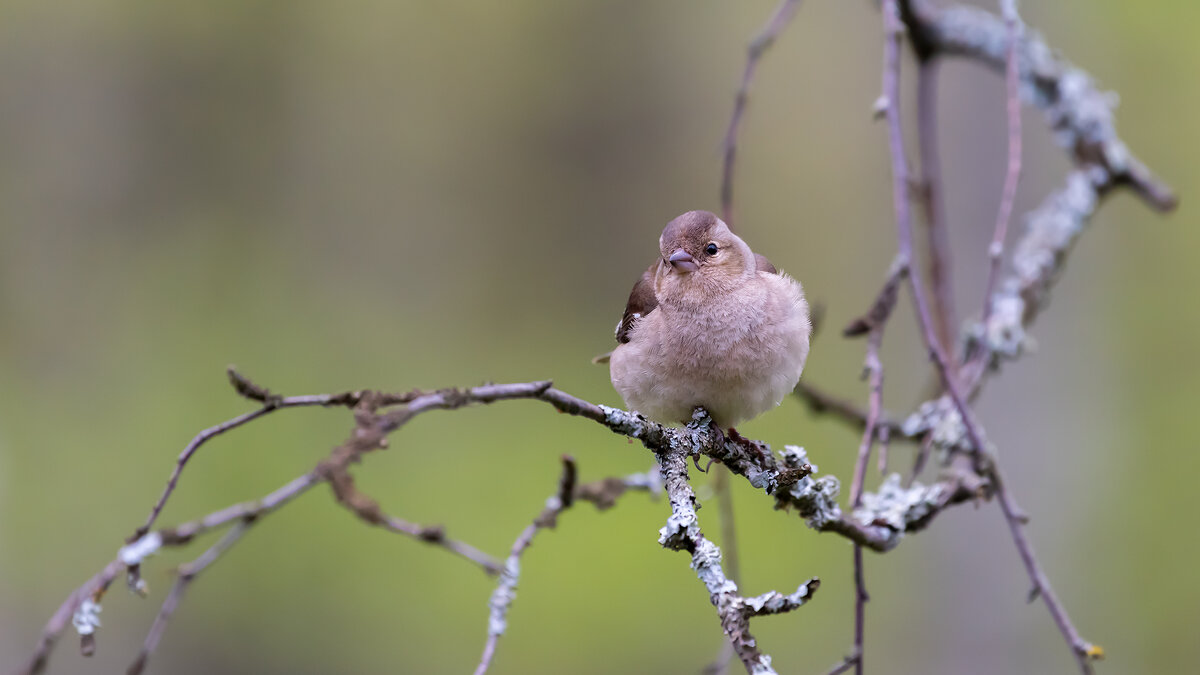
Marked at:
<point>691,232</point>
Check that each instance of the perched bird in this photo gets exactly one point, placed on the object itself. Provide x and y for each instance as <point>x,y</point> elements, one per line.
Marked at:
<point>710,324</point>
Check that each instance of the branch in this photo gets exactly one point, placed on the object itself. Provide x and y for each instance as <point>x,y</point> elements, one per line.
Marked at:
<point>787,479</point>
<point>1083,651</point>
<point>1013,174</point>
<point>682,533</point>
<point>187,573</point>
<point>873,323</point>
<point>820,402</point>
<point>506,592</point>
<point>758,46</point>
<point>369,511</point>
<point>1080,115</point>
<point>938,235</point>
<point>601,493</point>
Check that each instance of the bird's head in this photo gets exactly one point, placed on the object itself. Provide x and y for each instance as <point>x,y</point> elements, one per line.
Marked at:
<point>700,257</point>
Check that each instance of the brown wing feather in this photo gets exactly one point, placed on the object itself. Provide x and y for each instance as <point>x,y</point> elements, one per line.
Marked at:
<point>642,301</point>
<point>764,265</point>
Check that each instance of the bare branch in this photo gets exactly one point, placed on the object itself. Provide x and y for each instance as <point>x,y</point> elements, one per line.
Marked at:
<point>682,533</point>
<point>369,511</point>
<point>821,402</point>
<point>845,664</point>
<point>187,573</point>
<point>502,598</point>
<point>1082,650</point>
<point>873,322</point>
<point>91,590</point>
<point>938,234</point>
<point>758,46</point>
<point>1013,174</point>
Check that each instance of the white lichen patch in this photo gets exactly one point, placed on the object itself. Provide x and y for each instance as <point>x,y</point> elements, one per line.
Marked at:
<point>815,498</point>
<point>775,602</point>
<point>502,598</point>
<point>707,563</point>
<point>941,419</point>
<point>680,529</point>
<point>135,553</point>
<point>87,618</point>
<point>897,506</point>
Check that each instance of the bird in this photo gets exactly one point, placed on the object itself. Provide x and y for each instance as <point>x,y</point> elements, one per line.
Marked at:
<point>710,324</point>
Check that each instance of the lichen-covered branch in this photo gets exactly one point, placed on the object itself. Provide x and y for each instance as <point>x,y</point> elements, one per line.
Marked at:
<point>1080,114</point>
<point>682,533</point>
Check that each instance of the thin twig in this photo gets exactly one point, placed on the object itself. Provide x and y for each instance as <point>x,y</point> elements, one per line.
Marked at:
<point>1013,174</point>
<point>602,493</point>
<point>873,322</point>
<point>436,535</point>
<point>506,591</point>
<point>187,573</point>
<point>176,536</point>
<point>938,235</point>
<point>1085,652</point>
<point>891,93</point>
<point>1080,114</point>
<point>821,402</point>
<point>845,664</point>
<point>210,433</point>
<point>91,589</point>
<point>860,602</point>
<point>758,46</point>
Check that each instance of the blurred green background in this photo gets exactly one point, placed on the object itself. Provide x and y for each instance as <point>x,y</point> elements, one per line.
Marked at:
<point>400,195</point>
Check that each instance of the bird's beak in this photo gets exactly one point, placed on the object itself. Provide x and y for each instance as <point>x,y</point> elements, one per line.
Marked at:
<point>683,261</point>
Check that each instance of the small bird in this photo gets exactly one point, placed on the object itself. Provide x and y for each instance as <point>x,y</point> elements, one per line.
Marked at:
<point>710,324</point>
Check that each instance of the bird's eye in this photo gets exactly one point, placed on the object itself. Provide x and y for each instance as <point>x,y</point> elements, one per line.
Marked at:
<point>711,249</point>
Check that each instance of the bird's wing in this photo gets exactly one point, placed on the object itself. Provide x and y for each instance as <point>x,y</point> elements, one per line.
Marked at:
<point>764,265</point>
<point>642,301</point>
